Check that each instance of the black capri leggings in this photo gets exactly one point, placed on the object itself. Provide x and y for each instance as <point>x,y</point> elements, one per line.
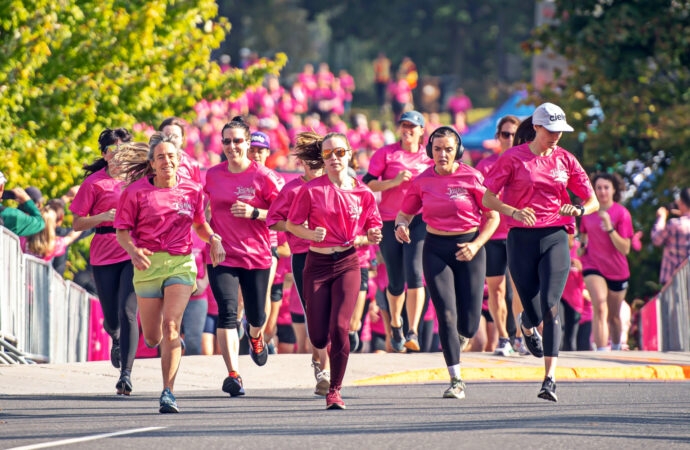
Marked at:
<point>225,284</point>
<point>539,261</point>
<point>403,261</point>
<point>119,303</point>
<point>456,289</point>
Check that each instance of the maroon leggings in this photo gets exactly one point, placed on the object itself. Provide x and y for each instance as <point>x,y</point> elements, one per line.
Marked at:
<point>331,286</point>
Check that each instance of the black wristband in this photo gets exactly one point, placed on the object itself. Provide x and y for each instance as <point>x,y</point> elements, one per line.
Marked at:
<point>255,213</point>
<point>582,209</point>
<point>611,230</point>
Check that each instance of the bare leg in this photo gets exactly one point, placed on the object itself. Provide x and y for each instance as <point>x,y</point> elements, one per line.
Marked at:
<point>229,344</point>
<point>614,301</point>
<point>174,303</point>
<point>415,305</point>
<point>356,320</point>
<point>598,290</point>
<point>497,303</point>
<point>395,305</point>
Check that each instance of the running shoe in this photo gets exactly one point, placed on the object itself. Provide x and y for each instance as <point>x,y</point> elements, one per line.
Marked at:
<point>233,384</point>
<point>124,385</point>
<point>464,342</point>
<point>257,349</point>
<point>115,354</point>
<point>412,341</point>
<point>548,390</point>
<point>456,389</point>
<point>532,342</point>
<point>333,399</point>
<point>503,348</point>
<point>317,369</point>
<point>397,339</point>
<point>354,341</point>
<point>520,347</point>
<point>168,403</point>
<point>323,382</point>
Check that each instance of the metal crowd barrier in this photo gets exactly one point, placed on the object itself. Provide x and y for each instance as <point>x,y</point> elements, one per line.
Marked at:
<point>674,301</point>
<point>43,317</point>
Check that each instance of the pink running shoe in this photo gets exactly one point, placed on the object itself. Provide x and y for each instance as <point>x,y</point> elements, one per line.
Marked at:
<point>333,399</point>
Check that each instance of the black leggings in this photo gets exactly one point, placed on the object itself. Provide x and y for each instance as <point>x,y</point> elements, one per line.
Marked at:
<point>456,288</point>
<point>298,261</point>
<point>225,284</point>
<point>119,304</point>
<point>403,261</point>
<point>571,323</point>
<point>539,261</point>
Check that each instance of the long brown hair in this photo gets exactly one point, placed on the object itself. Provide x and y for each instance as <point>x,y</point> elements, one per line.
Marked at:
<point>43,242</point>
<point>308,147</point>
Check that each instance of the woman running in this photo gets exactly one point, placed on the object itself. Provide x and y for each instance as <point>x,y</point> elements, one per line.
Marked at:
<point>154,220</point>
<point>606,237</point>
<point>94,206</point>
<point>397,165</point>
<point>240,191</point>
<point>496,253</point>
<point>276,220</point>
<point>534,178</point>
<point>454,260</point>
<point>331,211</point>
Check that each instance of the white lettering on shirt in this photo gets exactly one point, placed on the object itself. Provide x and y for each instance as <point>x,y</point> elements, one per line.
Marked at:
<point>455,193</point>
<point>245,193</point>
<point>559,175</point>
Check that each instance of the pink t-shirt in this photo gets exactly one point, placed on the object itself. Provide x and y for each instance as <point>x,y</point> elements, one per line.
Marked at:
<point>198,247</point>
<point>448,202</point>
<point>600,253</point>
<point>189,168</point>
<point>284,316</point>
<point>246,241</point>
<point>485,166</point>
<point>574,285</point>
<point>539,182</point>
<point>343,213</point>
<point>279,211</point>
<point>386,163</point>
<point>58,250</point>
<point>160,219</point>
<point>97,194</point>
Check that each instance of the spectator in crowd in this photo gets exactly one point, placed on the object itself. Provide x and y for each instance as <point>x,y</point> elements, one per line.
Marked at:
<point>45,244</point>
<point>673,235</point>
<point>382,76</point>
<point>24,220</point>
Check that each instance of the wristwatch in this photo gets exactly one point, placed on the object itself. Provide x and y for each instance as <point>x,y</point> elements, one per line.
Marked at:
<point>582,209</point>
<point>255,213</point>
<point>400,224</point>
<point>215,236</point>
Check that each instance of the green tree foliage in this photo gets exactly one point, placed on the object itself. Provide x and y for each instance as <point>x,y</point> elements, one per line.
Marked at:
<point>69,68</point>
<point>627,91</point>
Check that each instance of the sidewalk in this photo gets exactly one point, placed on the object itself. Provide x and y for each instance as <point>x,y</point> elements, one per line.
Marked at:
<point>294,371</point>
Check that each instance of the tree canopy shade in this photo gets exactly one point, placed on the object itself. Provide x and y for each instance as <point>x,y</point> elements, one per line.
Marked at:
<point>627,93</point>
<point>70,68</point>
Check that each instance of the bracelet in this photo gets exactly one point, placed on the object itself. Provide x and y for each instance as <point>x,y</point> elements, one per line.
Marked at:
<point>255,213</point>
<point>512,215</point>
<point>611,230</point>
<point>216,236</point>
<point>401,224</point>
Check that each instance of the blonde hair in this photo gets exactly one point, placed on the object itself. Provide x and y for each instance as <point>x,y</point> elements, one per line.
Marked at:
<point>43,242</point>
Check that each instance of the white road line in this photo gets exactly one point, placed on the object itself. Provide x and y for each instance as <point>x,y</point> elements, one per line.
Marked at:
<point>85,438</point>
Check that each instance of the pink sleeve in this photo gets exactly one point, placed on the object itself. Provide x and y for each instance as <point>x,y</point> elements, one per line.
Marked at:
<point>578,181</point>
<point>126,213</point>
<point>625,227</point>
<point>372,213</point>
<point>377,164</point>
<point>413,199</point>
<point>279,209</point>
<point>299,210</point>
<point>501,173</point>
<point>272,186</point>
<point>199,210</point>
<point>478,192</point>
<point>84,200</point>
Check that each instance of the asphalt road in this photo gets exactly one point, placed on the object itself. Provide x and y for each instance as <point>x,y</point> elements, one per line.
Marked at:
<point>494,414</point>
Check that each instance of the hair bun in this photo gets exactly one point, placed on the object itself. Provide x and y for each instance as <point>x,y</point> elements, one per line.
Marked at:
<point>238,119</point>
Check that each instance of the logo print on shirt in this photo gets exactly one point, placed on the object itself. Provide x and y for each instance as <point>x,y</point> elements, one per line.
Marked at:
<point>245,193</point>
<point>355,211</point>
<point>183,208</point>
<point>455,193</point>
<point>559,175</point>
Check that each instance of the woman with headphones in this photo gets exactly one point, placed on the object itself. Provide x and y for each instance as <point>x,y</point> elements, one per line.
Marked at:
<point>449,195</point>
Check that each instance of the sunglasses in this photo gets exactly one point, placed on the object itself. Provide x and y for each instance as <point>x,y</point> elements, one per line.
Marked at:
<point>228,141</point>
<point>507,134</point>
<point>111,148</point>
<point>339,152</point>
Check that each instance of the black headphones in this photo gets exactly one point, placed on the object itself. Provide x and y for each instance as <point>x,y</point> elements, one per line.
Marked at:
<point>459,149</point>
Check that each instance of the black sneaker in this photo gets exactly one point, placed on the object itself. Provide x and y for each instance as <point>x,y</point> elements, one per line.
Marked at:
<point>354,341</point>
<point>412,341</point>
<point>167,402</point>
<point>548,390</point>
<point>233,385</point>
<point>257,348</point>
<point>124,385</point>
<point>115,354</point>
<point>397,339</point>
<point>532,342</point>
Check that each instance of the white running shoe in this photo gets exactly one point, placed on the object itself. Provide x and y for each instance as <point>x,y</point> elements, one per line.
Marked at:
<point>323,382</point>
<point>503,348</point>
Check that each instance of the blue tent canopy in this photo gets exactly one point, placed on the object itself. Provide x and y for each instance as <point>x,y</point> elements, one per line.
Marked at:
<point>486,128</point>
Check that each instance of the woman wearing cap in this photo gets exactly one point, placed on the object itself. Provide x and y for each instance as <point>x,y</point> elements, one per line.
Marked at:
<point>94,206</point>
<point>606,237</point>
<point>397,165</point>
<point>450,197</point>
<point>240,191</point>
<point>276,219</point>
<point>534,177</point>
<point>496,253</point>
<point>331,211</point>
<point>154,220</point>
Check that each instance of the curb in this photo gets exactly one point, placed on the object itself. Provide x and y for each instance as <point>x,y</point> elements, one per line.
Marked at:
<point>652,372</point>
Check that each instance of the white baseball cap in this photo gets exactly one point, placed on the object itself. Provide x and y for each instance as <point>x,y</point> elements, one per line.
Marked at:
<point>551,117</point>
